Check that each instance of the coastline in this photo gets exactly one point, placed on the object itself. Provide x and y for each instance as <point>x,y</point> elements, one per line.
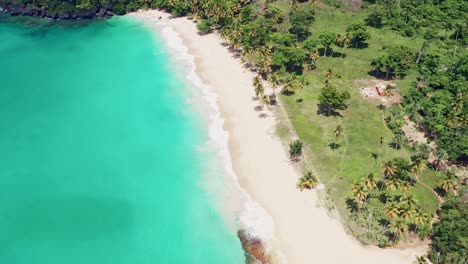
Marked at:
<point>303,231</point>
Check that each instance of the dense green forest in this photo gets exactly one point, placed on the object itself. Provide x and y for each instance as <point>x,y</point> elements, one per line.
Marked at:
<point>319,55</point>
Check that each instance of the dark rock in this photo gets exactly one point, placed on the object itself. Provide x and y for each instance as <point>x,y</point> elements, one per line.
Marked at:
<point>254,248</point>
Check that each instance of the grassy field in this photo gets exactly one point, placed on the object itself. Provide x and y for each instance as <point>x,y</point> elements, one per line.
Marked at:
<point>362,121</point>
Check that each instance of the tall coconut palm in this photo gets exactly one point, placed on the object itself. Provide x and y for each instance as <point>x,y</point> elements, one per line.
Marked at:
<point>308,181</point>
<point>275,81</point>
<point>359,192</point>
<point>408,200</point>
<point>420,218</point>
<point>390,169</point>
<point>441,158</point>
<point>406,213</point>
<point>329,74</point>
<point>264,100</point>
<point>418,166</point>
<point>404,186</point>
<point>314,56</point>
<point>370,182</point>
<point>398,227</point>
<point>294,5</point>
<point>392,210</point>
<point>391,184</point>
<point>339,131</point>
<point>345,41</point>
<point>257,83</point>
<point>448,184</point>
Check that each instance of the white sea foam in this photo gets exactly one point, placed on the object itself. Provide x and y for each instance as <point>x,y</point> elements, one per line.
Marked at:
<point>251,216</point>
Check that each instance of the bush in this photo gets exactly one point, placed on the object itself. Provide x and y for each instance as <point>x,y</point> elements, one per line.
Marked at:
<point>295,149</point>
<point>205,26</point>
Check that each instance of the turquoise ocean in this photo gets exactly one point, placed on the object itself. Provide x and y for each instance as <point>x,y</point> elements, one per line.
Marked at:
<point>105,157</point>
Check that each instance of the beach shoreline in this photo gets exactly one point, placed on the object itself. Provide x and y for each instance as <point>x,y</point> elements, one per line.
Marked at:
<point>303,231</point>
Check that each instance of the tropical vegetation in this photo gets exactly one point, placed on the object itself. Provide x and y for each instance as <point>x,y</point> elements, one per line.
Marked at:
<point>319,55</point>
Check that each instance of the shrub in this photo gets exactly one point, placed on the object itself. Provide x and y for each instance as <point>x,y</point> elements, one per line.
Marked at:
<point>205,26</point>
<point>295,149</point>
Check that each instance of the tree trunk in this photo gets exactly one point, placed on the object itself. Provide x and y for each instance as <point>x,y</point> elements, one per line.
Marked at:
<point>387,74</point>
<point>421,52</point>
<point>342,53</point>
<point>325,52</point>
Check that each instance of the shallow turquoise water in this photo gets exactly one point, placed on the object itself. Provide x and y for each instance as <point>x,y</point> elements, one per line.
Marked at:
<point>99,151</point>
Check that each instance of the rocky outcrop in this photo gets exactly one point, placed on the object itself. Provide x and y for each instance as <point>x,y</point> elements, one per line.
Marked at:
<point>18,9</point>
<point>254,248</point>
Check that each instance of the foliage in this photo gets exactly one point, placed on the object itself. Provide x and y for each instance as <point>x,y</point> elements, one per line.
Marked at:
<point>307,181</point>
<point>204,27</point>
<point>395,61</point>
<point>440,104</point>
<point>359,33</point>
<point>450,236</point>
<point>327,39</point>
<point>295,149</point>
<point>331,100</point>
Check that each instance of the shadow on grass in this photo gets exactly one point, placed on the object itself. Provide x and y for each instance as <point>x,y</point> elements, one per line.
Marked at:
<point>334,146</point>
<point>323,109</point>
<point>352,205</point>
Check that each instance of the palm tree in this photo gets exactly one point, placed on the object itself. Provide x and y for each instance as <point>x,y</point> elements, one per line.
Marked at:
<point>448,184</point>
<point>420,218</point>
<point>257,83</point>
<point>398,227</point>
<point>264,100</point>
<point>406,213</point>
<point>275,81</point>
<point>329,74</point>
<point>441,158</point>
<point>392,184</point>
<point>420,260</point>
<point>392,210</point>
<point>314,56</point>
<point>408,200</point>
<point>345,41</point>
<point>359,192</point>
<point>404,186</point>
<point>294,5</point>
<point>308,181</point>
<point>418,166</point>
<point>397,140</point>
<point>370,182</point>
<point>390,169</point>
<point>339,131</point>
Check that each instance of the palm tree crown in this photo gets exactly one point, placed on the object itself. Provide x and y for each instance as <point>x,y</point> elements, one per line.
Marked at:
<point>370,182</point>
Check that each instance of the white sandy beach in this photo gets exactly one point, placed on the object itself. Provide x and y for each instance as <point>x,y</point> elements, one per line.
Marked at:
<point>303,230</point>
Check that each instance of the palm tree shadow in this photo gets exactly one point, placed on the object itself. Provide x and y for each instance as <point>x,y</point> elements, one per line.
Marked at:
<point>263,115</point>
<point>352,205</point>
<point>334,146</point>
<point>441,192</point>
<point>258,108</point>
<point>287,92</point>
<point>394,145</point>
<point>375,156</point>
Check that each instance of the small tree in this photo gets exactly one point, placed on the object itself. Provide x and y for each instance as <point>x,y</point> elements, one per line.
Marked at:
<point>333,100</point>
<point>295,149</point>
<point>395,61</point>
<point>327,39</point>
<point>204,27</point>
<point>358,33</point>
